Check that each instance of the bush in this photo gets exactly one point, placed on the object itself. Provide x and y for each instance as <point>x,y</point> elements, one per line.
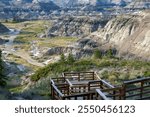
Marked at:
<point>70,59</point>
<point>62,58</point>
<point>109,53</point>
<point>97,54</point>
<point>147,74</point>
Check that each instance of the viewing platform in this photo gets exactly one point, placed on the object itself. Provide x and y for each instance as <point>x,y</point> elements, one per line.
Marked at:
<point>89,86</point>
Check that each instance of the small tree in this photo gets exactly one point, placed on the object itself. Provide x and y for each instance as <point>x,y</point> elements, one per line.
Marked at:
<point>70,59</point>
<point>97,54</point>
<point>62,58</point>
<point>109,53</point>
<point>2,76</point>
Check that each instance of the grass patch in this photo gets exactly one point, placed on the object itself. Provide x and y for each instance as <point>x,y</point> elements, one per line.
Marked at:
<point>17,89</point>
<point>57,41</point>
<point>19,60</point>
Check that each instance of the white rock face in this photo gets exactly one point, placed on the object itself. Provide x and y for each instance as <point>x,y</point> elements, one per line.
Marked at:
<point>130,34</point>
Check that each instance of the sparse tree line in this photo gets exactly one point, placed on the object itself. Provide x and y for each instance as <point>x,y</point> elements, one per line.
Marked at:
<point>110,53</point>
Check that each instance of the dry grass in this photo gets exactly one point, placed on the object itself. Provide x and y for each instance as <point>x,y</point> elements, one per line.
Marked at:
<point>57,41</point>
<point>19,60</point>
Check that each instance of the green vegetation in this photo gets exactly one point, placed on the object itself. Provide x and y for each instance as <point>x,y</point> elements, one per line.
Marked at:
<point>97,54</point>
<point>2,71</point>
<point>59,67</point>
<point>62,58</point>
<point>147,73</point>
<point>30,32</point>
<point>109,53</point>
<point>115,71</point>
<point>56,41</point>
<point>70,59</point>
<point>17,89</point>
<point>19,60</point>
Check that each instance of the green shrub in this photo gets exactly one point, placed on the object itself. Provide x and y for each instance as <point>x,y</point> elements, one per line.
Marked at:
<point>147,74</point>
<point>62,58</point>
<point>70,59</point>
<point>109,53</point>
<point>97,54</point>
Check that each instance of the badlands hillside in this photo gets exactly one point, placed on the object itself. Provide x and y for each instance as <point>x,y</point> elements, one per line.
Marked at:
<point>130,34</point>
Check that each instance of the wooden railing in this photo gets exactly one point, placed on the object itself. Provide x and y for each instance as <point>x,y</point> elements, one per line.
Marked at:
<point>58,80</point>
<point>56,94</point>
<point>100,95</point>
<point>81,96</point>
<point>99,84</point>
<point>137,89</point>
<point>81,76</point>
<point>116,93</point>
<point>64,88</point>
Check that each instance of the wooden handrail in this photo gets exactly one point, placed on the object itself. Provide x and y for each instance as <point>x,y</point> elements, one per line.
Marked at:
<point>51,81</point>
<point>70,84</point>
<point>94,81</point>
<point>136,80</point>
<point>111,89</point>
<point>79,75</point>
<point>97,75</point>
<point>138,88</point>
<point>107,84</point>
<point>57,90</point>
<point>101,94</point>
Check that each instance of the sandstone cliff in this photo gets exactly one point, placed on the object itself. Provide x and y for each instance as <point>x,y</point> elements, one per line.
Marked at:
<point>129,34</point>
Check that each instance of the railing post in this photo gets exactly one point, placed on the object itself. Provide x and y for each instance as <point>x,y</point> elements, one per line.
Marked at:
<point>124,91</point>
<point>101,85</point>
<point>88,86</point>
<point>121,93</point>
<point>52,93</point>
<point>78,76</point>
<point>114,93</point>
<point>141,92</point>
<point>93,75</point>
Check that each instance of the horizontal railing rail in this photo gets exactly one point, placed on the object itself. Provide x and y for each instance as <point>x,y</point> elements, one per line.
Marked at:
<point>137,80</point>
<point>81,76</point>
<point>137,88</point>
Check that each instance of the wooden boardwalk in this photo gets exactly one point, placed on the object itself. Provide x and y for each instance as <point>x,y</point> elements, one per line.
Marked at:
<point>89,86</point>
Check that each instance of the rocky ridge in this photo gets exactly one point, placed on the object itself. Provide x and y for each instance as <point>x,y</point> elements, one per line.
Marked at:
<point>70,3</point>
<point>26,9</point>
<point>75,26</point>
<point>82,48</point>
